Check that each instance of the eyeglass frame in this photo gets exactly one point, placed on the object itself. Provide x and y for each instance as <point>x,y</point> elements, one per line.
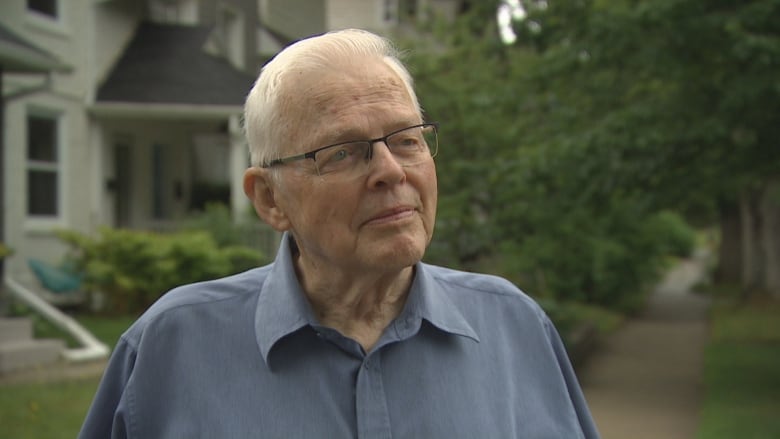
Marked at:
<point>370,151</point>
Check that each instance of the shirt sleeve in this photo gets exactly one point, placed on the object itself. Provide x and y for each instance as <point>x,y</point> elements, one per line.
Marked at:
<point>584,417</point>
<point>108,415</point>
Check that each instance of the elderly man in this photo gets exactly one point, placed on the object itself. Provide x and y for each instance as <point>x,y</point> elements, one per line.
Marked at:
<point>346,334</point>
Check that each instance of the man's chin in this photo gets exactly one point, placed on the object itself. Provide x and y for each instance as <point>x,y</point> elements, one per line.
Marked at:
<point>400,251</point>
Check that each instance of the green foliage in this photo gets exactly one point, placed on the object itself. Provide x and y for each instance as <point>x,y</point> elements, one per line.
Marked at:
<point>131,269</point>
<point>564,158</point>
<point>673,233</point>
<point>216,220</point>
<point>4,251</point>
<point>606,259</point>
<point>685,86</point>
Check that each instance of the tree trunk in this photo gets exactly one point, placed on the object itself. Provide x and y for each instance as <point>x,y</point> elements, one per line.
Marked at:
<point>770,213</point>
<point>752,250</point>
<point>729,270</point>
<point>749,253</point>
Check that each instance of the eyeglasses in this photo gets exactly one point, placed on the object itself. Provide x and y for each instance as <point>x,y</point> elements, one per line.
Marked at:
<point>409,146</point>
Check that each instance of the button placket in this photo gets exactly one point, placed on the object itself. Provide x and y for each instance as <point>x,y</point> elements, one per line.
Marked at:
<point>373,419</point>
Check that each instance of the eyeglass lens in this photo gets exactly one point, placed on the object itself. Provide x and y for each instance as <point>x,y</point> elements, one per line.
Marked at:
<point>409,147</point>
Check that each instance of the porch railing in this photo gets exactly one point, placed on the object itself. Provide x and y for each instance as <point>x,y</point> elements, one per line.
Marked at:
<point>91,348</point>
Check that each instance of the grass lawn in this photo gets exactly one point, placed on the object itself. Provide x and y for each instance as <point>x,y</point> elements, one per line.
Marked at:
<point>54,410</point>
<point>50,411</point>
<point>742,372</point>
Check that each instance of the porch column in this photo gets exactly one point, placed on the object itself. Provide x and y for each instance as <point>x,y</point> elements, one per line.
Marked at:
<point>238,163</point>
<point>2,176</point>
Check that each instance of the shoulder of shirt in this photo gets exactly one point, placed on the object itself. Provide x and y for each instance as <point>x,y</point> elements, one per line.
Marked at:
<point>203,293</point>
<point>479,283</point>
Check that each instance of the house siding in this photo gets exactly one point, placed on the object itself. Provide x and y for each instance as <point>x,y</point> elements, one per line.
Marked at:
<point>295,19</point>
<point>62,97</point>
<point>369,15</point>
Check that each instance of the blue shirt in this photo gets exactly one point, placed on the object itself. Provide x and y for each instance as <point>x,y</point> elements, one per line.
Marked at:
<point>470,356</point>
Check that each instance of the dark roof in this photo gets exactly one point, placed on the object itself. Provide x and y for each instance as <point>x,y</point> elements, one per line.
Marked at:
<point>20,56</point>
<point>168,64</point>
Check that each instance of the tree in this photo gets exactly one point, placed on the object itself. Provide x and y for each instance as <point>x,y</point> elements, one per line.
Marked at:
<point>521,190</point>
<point>565,152</point>
<point>694,87</point>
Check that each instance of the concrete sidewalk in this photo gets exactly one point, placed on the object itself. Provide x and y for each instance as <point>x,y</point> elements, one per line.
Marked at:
<point>645,381</point>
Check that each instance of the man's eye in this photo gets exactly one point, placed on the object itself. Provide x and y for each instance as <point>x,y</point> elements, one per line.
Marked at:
<point>339,155</point>
<point>408,143</point>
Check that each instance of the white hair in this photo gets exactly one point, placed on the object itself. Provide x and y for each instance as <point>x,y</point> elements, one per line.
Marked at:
<point>267,117</point>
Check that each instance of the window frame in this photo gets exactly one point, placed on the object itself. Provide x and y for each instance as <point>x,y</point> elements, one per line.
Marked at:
<point>53,25</point>
<point>54,17</point>
<point>34,220</point>
<point>390,12</point>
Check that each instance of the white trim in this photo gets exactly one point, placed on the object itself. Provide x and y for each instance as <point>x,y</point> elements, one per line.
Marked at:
<point>53,25</point>
<point>30,59</point>
<point>46,222</point>
<point>43,224</point>
<point>92,348</point>
<point>163,111</point>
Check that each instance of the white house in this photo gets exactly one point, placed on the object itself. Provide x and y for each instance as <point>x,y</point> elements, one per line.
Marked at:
<point>133,116</point>
<point>127,113</point>
<point>137,124</point>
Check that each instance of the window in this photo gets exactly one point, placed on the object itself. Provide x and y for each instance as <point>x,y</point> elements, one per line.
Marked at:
<point>390,12</point>
<point>408,10</point>
<point>184,12</point>
<point>43,163</point>
<point>45,7</point>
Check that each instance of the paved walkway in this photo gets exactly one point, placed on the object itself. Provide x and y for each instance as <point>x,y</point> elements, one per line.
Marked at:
<point>644,381</point>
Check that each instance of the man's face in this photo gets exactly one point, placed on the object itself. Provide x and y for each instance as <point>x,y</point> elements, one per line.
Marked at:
<point>379,221</point>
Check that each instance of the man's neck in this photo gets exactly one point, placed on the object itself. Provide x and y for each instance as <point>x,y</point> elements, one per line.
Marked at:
<point>359,306</point>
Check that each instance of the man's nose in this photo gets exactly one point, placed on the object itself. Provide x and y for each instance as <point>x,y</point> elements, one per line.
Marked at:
<point>383,164</point>
<point>381,148</point>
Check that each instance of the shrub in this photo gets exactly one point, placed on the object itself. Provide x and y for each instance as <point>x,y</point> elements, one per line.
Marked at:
<point>132,269</point>
<point>609,257</point>
<point>676,236</point>
<point>216,220</point>
<point>4,251</point>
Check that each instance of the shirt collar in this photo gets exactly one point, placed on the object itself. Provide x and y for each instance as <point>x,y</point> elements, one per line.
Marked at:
<point>282,307</point>
<point>429,300</point>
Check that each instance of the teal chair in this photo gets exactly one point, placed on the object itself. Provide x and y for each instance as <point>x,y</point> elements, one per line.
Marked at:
<point>58,280</point>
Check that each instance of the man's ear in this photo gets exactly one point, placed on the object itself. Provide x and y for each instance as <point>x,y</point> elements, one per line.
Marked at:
<point>259,188</point>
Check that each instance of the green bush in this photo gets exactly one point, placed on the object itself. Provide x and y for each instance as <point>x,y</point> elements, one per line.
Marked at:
<point>132,269</point>
<point>4,251</point>
<point>675,235</point>
<point>216,220</point>
<point>608,257</point>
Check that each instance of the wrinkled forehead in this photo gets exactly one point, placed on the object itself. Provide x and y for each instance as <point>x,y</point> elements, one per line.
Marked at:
<point>323,98</point>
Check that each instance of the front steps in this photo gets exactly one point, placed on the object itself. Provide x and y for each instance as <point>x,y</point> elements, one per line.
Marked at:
<point>19,350</point>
